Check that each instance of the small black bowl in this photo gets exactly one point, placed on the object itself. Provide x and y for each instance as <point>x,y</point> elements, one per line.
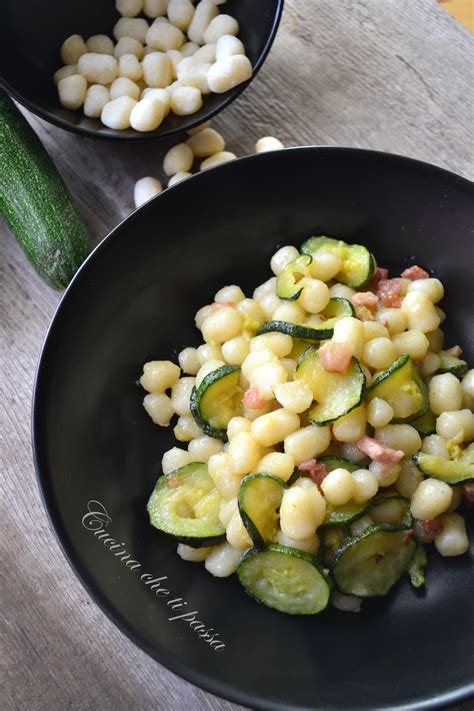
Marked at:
<point>31,34</point>
<point>98,454</point>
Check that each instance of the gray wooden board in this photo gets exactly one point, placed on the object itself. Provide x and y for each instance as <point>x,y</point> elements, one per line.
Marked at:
<point>394,75</point>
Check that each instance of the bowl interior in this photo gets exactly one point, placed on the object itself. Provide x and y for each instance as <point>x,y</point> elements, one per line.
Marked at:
<point>98,455</point>
<point>31,35</point>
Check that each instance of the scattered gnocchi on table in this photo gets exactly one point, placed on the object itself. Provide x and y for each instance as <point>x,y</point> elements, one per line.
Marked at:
<point>204,144</point>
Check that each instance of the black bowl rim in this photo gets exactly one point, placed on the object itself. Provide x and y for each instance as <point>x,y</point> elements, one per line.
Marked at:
<point>207,682</point>
<point>92,133</point>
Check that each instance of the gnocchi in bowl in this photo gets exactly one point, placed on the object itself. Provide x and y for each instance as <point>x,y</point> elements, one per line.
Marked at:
<point>102,63</point>
<point>326,431</point>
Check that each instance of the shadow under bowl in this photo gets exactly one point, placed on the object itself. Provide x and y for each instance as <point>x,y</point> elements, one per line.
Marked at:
<point>31,34</point>
<point>98,454</point>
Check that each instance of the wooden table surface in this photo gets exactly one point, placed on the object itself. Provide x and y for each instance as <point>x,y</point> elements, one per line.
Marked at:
<point>394,75</point>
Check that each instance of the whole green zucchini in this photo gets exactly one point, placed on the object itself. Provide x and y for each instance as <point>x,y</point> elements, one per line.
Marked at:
<point>36,203</point>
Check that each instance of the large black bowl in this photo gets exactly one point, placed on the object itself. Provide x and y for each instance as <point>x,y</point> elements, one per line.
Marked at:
<point>98,454</point>
<point>32,32</point>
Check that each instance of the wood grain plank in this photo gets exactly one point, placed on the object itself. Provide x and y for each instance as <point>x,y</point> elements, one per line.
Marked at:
<point>352,72</point>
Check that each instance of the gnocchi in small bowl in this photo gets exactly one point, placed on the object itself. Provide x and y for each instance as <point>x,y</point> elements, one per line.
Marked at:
<point>263,439</point>
<point>132,69</point>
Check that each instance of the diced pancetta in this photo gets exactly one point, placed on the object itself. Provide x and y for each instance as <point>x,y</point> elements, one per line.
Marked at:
<point>415,272</point>
<point>390,292</point>
<point>335,357</point>
<point>367,299</point>
<point>378,451</point>
<point>316,470</point>
<point>253,399</point>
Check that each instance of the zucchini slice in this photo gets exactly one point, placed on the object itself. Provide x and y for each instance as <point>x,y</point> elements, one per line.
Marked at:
<point>259,500</point>
<point>343,515</point>
<point>451,364</point>
<point>403,388</point>
<point>358,264</point>
<point>185,504</point>
<point>299,348</point>
<point>425,425</point>
<point>336,309</point>
<point>336,394</point>
<point>332,462</point>
<point>305,332</point>
<point>290,282</point>
<point>331,541</point>
<point>217,400</point>
<point>371,563</point>
<point>416,569</point>
<point>391,511</point>
<point>286,579</point>
<point>451,471</point>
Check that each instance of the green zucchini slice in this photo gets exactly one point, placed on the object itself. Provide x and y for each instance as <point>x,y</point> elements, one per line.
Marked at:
<point>336,394</point>
<point>332,462</point>
<point>391,511</point>
<point>343,515</point>
<point>416,569</point>
<point>286,579</point>
<point>290,282</point>
<point>336,309</point>
<point>185,504</point>
<point>451,471</point>
<point>371,563</point>
<point>331,541</point>
<point>358,264</point>
<point>425,425</point>
<point>305,332</point>
<point>451,364</point>
<point>299,348</point>
<point>403,388</point>
<point>259,501</point>
<point>217,400</point>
